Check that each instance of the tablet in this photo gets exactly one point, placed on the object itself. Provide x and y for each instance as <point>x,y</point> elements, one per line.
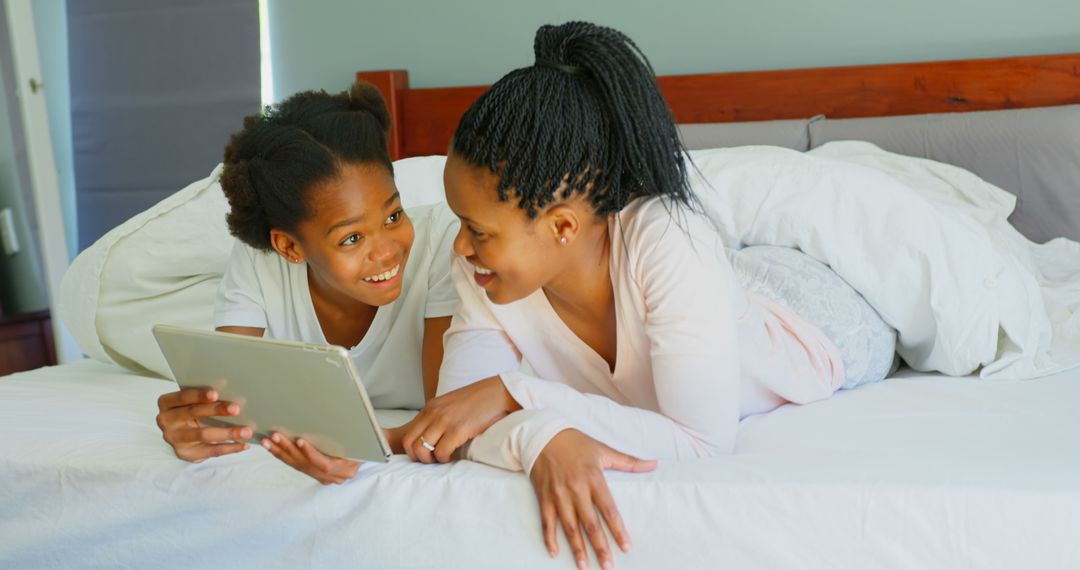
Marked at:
<point>296,388</point>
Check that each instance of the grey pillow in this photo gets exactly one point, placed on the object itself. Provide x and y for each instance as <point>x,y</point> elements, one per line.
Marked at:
<point>792,134</point>
<point>821,297</point>
<point>1033,153</point>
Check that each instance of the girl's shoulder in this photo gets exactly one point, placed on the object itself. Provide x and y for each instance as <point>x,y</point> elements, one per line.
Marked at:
<point>434,227</point>
<point>249,259</point>
<point>433,220</point>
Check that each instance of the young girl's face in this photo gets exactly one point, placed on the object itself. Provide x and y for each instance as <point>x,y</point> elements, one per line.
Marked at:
<point>356,237</point>
<point>512,255</point>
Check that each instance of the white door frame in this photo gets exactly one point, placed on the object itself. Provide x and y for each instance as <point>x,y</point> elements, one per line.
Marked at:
<point>44,178</point>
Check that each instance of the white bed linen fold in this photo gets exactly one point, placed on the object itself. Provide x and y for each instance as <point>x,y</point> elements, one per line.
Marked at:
<point>927,244</point>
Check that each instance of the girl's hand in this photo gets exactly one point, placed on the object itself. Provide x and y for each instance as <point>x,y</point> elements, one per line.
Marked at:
<point>303,457</point>
<point>568,477</point>
<point>178,418</point>
<point>453,419</point>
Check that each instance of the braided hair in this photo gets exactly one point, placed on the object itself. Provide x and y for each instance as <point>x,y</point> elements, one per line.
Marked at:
<point>282,153</point>
<point>588,117</point>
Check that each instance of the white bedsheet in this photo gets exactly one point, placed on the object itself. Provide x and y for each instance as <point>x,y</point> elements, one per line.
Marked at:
<point>919,471</point>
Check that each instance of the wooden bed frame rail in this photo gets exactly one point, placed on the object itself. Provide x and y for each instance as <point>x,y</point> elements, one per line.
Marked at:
<point>425,119</point>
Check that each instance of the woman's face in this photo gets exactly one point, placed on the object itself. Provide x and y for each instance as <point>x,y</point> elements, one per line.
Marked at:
<point>512,255</point>
<point>356,237</point>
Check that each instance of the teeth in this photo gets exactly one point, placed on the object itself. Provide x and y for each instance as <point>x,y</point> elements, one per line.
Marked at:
<point>384,276</point>
<point>482,270</point>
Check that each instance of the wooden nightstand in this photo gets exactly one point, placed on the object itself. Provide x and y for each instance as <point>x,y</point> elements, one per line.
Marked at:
<point>26,342</point>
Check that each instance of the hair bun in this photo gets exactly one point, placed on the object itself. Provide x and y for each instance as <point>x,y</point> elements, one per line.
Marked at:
<point>576,43</point>
<point>550,43</point>
<point>548,135</point>
<point>364,96</point>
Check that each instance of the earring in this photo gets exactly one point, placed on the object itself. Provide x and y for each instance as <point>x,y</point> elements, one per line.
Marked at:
<point>563,240</point>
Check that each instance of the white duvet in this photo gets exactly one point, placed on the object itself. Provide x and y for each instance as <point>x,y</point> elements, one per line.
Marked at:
<point>926,243</point>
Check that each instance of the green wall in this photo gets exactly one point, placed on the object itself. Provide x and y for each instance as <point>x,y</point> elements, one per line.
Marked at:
<point>21,284</point>
<point>21,288</point>
<point>321,44</point>
<point>50,25</point>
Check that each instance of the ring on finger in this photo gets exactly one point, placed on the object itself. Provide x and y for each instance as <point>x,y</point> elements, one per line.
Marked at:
<point>426,444</point>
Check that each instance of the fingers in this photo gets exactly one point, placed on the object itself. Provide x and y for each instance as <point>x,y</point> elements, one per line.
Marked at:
<point>594,529</point>
<point>187,397</point>
<point>296,458</point>
<point>338,466</point>
<point>181,417</point>
<point>411,434</point>
<point>213,409</point>
<point>601,495</point>
<point>549,518</point>
<point>303,457</point>
<point>568,516</point>
<point>192,442</point>
<point>282,448</point>
<point>314,456</point>
<point>448,444</point>
<point>605,504</point>
<point>393,437</point>
<point>212,435</point>
<point>200,453</point>
<point>421,451</point>
<point>416,433</point>
<point>430,437</point>
<point>167,403</point>
<point>611,459</point>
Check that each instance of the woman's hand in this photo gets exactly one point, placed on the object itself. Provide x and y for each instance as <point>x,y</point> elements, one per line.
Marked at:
<point>178,417</point>
<point>303,457</point>
<point>568,477</point>
<point>453,419</point>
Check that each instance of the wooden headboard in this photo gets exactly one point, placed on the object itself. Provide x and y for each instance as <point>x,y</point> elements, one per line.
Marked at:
<point>425,119</point>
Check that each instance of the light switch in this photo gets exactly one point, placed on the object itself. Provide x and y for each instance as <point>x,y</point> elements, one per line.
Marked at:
<point>7,232</point>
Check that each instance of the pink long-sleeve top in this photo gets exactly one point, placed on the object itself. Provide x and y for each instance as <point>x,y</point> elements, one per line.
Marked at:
<point>695,353</point>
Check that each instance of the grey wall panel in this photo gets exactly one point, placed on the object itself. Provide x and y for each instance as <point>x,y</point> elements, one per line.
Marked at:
<point>157,86</point>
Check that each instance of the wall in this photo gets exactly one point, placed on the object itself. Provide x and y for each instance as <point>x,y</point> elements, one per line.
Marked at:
<point>21,286</point>
<point>156,90</point>
<point>321,44</point>
<point>50,25</point>
<point>21,283</point>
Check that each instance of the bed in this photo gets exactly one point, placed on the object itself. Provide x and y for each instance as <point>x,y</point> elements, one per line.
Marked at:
<point>921,470</point>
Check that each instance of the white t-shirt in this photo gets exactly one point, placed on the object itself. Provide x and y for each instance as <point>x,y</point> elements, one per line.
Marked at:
<point>262,290</point>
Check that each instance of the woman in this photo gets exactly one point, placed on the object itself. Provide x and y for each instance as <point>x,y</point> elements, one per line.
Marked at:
<point>582,253</point>
<point>326,254</point>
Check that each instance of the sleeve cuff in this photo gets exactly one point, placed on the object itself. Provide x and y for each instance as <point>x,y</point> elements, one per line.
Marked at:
<point>515,385</point>
<point>516,441</point>
<point>437,309</point>
<point>254,319</point>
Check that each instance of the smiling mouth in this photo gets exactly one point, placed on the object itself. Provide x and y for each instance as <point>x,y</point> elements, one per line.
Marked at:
<point>482,275</point>
<point>384,276</point>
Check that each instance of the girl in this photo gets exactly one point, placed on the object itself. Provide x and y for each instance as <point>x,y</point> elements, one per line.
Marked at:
<point>582,252</point>
<point>326,254</point>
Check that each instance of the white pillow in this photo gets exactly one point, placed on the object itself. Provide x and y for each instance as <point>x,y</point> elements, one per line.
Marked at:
<point>420,180</point>
<point>164,266</point>
<point>161,266</point>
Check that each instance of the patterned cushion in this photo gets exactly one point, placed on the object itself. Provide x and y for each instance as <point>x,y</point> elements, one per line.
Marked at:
<point>817,294</point>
